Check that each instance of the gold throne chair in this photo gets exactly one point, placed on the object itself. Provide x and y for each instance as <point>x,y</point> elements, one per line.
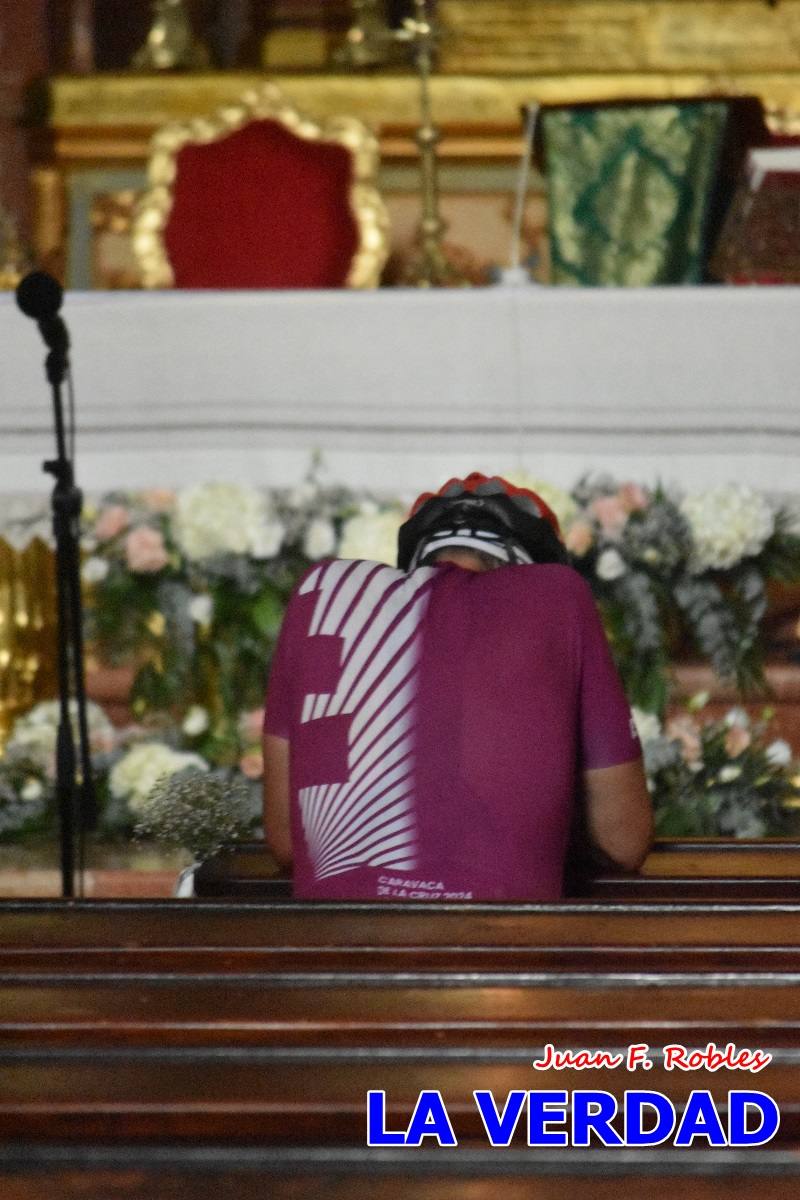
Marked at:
<point>260,196</point>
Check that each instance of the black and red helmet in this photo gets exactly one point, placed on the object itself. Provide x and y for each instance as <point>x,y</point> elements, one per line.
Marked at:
<point>482,513</point>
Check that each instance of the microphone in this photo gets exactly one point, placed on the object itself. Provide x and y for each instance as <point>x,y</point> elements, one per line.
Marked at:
<point>40,297</point>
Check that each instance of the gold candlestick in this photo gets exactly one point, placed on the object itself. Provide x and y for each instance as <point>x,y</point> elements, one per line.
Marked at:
<point>171,44</point>
<point>370,36</point>
<point>430,267</point>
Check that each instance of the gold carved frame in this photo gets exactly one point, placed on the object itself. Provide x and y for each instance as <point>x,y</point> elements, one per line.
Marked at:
<point>260,103</point>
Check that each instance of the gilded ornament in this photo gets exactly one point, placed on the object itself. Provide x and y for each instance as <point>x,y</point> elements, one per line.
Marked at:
<point>14,258</point>
<point>265,102</point>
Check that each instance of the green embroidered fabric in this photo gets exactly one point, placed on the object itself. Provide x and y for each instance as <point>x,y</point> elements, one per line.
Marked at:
<point>629,190</point>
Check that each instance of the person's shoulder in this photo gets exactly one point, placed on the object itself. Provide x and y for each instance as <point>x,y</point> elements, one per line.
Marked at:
<point>330,570</point>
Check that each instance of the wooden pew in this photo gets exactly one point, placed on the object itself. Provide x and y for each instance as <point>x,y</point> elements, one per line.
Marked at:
<point>719,857</point>
<point>71,926</point>
<point>139,1172</point>
<point>463,1008</point>
<point>425,1010</point>
<point>311,1097</point>
<point>96,938</point>
<point>179,1052</point>
<point>696,869</point>
<point>732,888</point>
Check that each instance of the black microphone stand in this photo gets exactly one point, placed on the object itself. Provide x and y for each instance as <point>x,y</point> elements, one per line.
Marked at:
<point>75,795</point>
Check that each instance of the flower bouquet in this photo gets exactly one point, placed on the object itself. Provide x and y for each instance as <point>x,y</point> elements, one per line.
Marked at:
<point>721,778</point>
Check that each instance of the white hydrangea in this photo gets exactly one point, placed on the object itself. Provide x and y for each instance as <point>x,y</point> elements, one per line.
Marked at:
<point>267,539</point>
<point>727,524</point>
<point>138,771</point>
<point>779,753</point>
<point>196,721</point>
<point>35,734</point>
<point>95,570</point>
<point>320,539</point>
<point>32,789</point>
<point>737,717</point>
<point>201,609</point>
<point>648,726</point>
<point>372,536</point>
<point>225,518</point>
<point>610,565</point>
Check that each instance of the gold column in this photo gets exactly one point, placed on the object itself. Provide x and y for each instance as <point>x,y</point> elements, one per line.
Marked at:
<point>27,629</point>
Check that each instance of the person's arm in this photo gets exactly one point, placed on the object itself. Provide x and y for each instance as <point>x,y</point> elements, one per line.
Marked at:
<point>277,826</point>
<point>619,812</point>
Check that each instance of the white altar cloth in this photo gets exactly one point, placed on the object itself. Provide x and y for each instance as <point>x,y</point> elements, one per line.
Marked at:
<point>398,388</point>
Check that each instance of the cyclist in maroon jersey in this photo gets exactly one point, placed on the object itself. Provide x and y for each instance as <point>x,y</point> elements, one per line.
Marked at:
<point>432,729</point>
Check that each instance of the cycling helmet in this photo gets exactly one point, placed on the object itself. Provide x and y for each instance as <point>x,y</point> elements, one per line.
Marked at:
<point>490,515</point>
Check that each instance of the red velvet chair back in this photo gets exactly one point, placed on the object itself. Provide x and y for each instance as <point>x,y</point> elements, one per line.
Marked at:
<point>261,208</point>
<point>258,195</point>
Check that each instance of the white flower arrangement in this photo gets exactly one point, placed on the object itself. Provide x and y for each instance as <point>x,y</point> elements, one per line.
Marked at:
<point>137,772</point>
<point>779,753</point>
<point>35,734</point>
<point>213,589</point>
<point>320,539</point>
<point>372,535</point>
<point>196,721</point>
<point>610,565</point>
<point>32,789</point>
<point>720,778</point>
<point>95,569</point>
<point>648,726</point>
<point>225,518</point>
<point>728,524</point>
<point>201,609</point>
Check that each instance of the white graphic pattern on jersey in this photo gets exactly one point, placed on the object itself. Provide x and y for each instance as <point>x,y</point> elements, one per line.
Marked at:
<point>368,820</point>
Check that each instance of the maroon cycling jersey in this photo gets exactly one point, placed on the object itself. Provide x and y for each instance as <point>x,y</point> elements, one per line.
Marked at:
<point>438,722</point>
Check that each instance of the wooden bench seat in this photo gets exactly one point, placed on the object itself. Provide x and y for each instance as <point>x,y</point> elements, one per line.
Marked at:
<point>113,925</point>
<point>268,1023</point>
<point>419,1011</point>
<point>140,1172</point>
<point>683,889</point>
<point>309,1097</point>
<point>264,961</point>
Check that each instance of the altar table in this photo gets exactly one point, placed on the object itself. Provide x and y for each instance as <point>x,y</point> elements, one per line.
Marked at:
<point>398,389</point>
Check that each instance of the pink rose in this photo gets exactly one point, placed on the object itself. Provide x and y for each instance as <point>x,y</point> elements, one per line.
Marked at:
<point>633,497</point>
<point>251,725</point>
<point>737,739</point>
<point>145,550</point>
<point>683,729</point>
<point>610,512</point>
<point>112,521</point>
<point>252,765</point>
<point>579,537</point>
<point>159,500</point>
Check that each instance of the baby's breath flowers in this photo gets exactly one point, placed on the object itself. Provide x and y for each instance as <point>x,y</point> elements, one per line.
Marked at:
<point>198,812</point>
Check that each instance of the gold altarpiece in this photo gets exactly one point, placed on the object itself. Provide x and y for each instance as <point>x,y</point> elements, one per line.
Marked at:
<point>495,56</point>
